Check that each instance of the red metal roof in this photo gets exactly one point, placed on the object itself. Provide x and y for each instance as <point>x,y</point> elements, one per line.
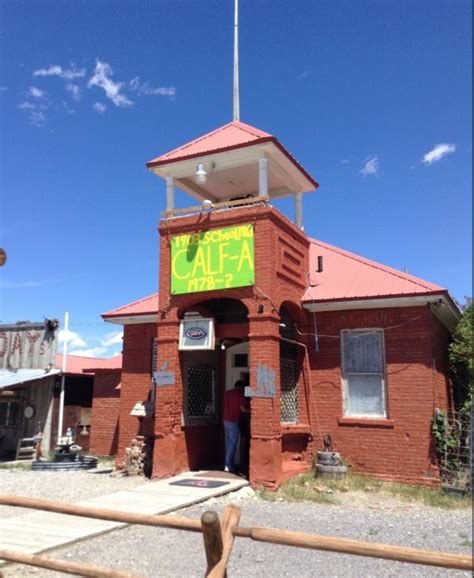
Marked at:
<point>345,276</point>
<point>145,306</point>
<point>348,276</point>
<point>233,135</point>
<point>78,365</point>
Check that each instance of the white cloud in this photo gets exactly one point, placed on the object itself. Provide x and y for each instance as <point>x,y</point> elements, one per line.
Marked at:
<point>74,90</point>
<point>371,166</point>
<point>37,118</point>
<point>437,153</point>
<point>113,338</point>
<point>67,108</point>
<point>143,88</point>
<point>99,107</point>
<point>56,70</point>
<point>26,105</point>
<point>345,162</point>
<point>36,92</point>
<point>90,352</point>
<point>101,78</point>
<point>73,339</point>
<point>35,107</point>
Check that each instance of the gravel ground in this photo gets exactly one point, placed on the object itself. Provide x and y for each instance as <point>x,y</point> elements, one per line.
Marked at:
<point>61,486</point>
<point>156,552</point>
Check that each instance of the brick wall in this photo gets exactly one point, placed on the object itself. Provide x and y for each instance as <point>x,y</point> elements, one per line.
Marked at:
<point>400,447</point>
<point>136,382</point>
<point>104,431</point>
<point>281,257</point>
<point>396,448</point>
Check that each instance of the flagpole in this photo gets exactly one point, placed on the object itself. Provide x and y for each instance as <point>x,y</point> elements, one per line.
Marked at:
<point>63,377</point>
<point>236,100</point>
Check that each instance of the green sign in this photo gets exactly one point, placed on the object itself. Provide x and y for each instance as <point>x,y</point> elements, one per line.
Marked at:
<point>211,260</point>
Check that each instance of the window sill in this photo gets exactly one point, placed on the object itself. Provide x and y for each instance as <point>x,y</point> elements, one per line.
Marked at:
<point>367,422</point>
<point>288,429</point>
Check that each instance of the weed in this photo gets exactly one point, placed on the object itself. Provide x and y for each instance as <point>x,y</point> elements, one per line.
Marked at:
<point>466,542</point>
<point>308,488</point>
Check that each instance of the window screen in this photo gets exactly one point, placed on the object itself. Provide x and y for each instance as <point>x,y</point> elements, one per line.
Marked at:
<point>363,367</point>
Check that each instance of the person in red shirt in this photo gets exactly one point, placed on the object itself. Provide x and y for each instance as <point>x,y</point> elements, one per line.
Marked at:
<point>234,407</point>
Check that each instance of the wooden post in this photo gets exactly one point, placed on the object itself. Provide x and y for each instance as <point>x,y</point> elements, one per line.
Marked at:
<point>299,210</point>
<point>230,520</point>
<point>169,193</point>
<point>263,177</point>
<point>76,568</point>
<point>211,532</point>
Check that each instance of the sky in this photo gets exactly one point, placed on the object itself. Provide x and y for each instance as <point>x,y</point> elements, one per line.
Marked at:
<point>372,97</point>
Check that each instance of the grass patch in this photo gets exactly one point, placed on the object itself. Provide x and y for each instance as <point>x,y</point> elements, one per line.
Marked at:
<point>299,489</point>
<point>466,542</point>
<point>308,488</point>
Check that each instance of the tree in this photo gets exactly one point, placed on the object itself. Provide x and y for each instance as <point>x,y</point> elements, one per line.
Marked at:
<point>460,358</point>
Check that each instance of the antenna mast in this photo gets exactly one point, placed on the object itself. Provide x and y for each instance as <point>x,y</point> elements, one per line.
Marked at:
<point>236,115</point>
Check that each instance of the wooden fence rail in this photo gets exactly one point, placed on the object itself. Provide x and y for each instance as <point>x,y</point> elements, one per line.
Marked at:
<point>75,568</point>
<point>219,538</point>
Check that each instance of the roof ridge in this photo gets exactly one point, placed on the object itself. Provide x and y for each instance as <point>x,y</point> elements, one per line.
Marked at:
<point>376,265</point>
<point>251,129</point>
<point>244,127</point>
<point>197,140</point>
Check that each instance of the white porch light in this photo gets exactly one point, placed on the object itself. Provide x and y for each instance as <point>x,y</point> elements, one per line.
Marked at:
<point>200,175</point>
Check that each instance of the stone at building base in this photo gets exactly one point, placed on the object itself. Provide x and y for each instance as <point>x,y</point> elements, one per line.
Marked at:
<point>137,461</point>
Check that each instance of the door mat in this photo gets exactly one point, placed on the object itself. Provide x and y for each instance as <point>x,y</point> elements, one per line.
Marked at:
<point>199,483</point>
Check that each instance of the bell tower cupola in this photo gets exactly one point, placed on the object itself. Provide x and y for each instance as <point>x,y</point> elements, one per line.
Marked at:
<point>235,161</point>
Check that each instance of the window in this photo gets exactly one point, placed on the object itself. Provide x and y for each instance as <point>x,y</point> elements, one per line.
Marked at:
<point>154,356</point>
<point>289,383</point>
<point>154,367</point>
<point>363,371</point>
<point>200,393</point>
<point>10,413</point>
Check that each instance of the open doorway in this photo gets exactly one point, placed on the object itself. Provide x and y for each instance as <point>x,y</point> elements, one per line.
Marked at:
<point>207,375</point>
<point>238,368</point>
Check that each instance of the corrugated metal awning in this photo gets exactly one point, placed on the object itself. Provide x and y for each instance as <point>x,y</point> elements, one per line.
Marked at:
<point>9,378</point>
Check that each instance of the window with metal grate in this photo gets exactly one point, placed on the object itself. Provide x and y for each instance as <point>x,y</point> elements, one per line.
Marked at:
<point>289,383</point>
<point>200,392</point>
<point>154,355</point>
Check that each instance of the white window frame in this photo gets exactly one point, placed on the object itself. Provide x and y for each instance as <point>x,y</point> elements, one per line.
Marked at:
<point>383,376</point>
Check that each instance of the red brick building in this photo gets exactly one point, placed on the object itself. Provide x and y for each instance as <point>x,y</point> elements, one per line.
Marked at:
<point>327,341</point>
<point>91,401</point>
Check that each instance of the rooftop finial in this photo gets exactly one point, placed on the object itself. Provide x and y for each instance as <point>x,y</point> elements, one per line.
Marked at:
<point>236,115</point>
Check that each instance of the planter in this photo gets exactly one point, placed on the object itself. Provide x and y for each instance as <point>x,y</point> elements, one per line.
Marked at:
<point>331,472</point>
<point>454,491</point>
<point>64,457</point>
<point>85,463</point>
